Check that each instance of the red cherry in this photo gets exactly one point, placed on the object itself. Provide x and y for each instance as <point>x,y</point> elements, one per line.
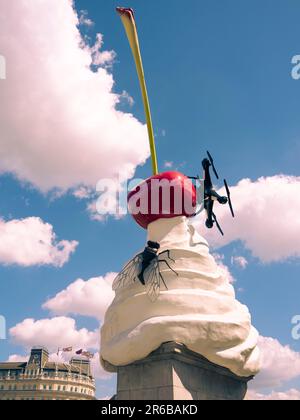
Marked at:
<point>164,196</point>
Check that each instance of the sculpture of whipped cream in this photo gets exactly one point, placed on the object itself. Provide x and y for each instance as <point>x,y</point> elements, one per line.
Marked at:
<point>198,308</point>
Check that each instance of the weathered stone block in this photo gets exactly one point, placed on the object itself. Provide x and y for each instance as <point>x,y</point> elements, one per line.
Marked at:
<point>175,373</point>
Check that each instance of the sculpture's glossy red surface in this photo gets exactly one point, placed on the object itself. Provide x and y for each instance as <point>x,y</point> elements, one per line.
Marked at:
<point>163,196</point>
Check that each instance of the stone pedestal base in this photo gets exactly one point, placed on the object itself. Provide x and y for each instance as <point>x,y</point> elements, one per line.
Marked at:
<point>174,373</point>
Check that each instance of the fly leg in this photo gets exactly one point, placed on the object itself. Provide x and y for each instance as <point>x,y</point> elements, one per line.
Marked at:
<point>166,262</point>
<point>169,255</point>
<point>163,280</point>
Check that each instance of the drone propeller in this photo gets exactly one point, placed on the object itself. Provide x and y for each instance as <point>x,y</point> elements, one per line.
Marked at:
<point>217,223</point>
<point>229,198</point>
<point>212,164</point>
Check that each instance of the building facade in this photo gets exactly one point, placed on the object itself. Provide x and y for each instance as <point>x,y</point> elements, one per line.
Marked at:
<point>40,379</point>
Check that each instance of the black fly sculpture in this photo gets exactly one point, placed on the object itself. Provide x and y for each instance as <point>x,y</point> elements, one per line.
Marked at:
<point>210,194</point>
<point>145,267</point>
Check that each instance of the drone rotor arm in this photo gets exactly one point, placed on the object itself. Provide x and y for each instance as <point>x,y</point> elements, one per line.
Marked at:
<point>212,164</point>
<point>217,224</point>
<point>229,198</point>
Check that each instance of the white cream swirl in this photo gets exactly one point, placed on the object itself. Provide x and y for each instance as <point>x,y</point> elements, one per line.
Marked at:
<point>199,309</point>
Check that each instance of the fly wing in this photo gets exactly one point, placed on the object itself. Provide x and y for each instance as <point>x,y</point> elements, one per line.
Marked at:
<point>129,273</point>
<point>153,279</point>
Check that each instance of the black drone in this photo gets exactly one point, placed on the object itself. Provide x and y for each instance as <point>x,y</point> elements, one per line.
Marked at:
<point>210,194</point>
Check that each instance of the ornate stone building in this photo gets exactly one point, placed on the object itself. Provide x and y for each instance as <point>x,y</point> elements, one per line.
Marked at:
<point>39,379</point>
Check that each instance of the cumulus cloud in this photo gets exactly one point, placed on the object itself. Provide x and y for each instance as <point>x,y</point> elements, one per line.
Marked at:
<point>290,395</point>
<point>101,58</point>
<point>14,358</point>
<point>168,164</point>
<point>223,267</point>
<point>84,19</point>
<point>82,192</point>
<point>31,241</point>
<point>240,262</point>
<point>87,298</point>
<point>280,364</point>
<point>98,371</point>
<point>267,218</point>
<point>53,333</point>
<point>127,98</point>
<point>93,212</point>
<point>60,126</point>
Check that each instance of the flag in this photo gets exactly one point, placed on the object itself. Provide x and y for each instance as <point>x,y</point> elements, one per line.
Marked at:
<point>79,352</point>
<point>88,355</point>
<point>67,349</point>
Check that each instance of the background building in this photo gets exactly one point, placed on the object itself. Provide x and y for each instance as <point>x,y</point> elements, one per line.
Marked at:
<point>40,379</point>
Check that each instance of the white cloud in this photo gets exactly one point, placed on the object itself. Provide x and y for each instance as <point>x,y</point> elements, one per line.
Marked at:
<point>110,202</point>
<point>101,58</point>
<point>280,364</point>
<point>60,126</point>
<point>168,164</point>
<point>84,19</point>
<point>267,218</point>
<point>93,213</point>
<point>53,333</point>
<point>223,267</point>
<point>98,371</point>
<point>14,358</point>
<point>87,298</point>
<point>240,262</point>
<point>291,395</point>
<point>82,193</point>
<point>31,241</point>
<point>127,98</point>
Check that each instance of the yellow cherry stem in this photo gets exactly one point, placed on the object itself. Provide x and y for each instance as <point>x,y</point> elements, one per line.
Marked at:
<point>128,20</point>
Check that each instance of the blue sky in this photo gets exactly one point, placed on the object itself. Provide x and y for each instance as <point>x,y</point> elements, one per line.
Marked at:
<point>219,78</point>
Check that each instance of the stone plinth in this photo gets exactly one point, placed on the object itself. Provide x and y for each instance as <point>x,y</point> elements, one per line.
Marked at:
<point>175,373</point>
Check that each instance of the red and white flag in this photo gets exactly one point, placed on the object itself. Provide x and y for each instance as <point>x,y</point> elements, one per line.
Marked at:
<point>67,349</point>
<point>88,355</point>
